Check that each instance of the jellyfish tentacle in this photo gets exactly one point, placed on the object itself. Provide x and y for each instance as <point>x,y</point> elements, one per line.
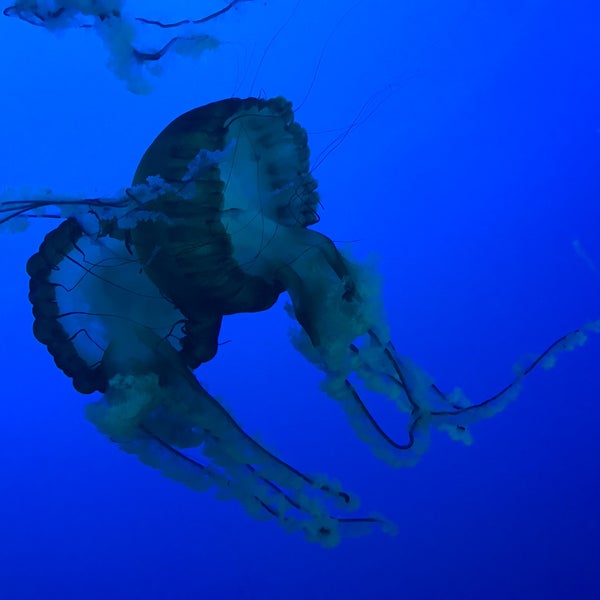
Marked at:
<point>474,412</point>
<point>340,310</point>
<point>210,474</point>
<point>291,513</point>
<point>45,204</point>
<point>124,36</point>
<point>204,414</point>
<point>210,17</point>
<point>153,404</point>
<point>454,412</point>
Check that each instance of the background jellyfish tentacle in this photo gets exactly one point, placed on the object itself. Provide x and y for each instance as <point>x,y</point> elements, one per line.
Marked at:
<point>129,294</point>
<point>135,44</point>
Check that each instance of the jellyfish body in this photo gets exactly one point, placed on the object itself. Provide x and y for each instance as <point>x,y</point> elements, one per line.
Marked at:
<point>129,294</point>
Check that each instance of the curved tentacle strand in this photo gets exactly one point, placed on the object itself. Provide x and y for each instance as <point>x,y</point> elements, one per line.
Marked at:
<point>345,334</point>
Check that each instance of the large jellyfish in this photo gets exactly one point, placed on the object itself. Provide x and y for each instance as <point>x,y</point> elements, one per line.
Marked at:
<point>129,294</point>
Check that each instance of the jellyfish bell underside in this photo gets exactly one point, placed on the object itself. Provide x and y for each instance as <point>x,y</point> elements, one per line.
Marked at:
<point>129,294</point>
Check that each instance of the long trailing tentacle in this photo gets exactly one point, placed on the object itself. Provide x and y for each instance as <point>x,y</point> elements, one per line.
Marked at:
<point>427,406</point>
<point>345,334</point>
<point>163,415</point>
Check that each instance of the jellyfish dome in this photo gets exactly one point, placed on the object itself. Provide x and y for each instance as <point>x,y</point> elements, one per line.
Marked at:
<point>129,294</point>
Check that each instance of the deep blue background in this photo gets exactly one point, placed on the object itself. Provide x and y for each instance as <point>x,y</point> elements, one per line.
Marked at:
<point>470,181</point>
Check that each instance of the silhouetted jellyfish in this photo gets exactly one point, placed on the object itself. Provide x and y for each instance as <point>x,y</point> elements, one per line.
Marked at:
<point>129,293</point>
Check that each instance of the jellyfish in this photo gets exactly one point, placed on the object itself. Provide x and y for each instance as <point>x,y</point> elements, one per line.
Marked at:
<point>129,294</point>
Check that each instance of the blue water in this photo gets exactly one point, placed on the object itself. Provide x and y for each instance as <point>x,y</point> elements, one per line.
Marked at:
<point>474,176</point>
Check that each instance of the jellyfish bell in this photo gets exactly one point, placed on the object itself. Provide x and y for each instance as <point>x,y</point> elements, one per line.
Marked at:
<point>245,169</point>
<point>129,294</point>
